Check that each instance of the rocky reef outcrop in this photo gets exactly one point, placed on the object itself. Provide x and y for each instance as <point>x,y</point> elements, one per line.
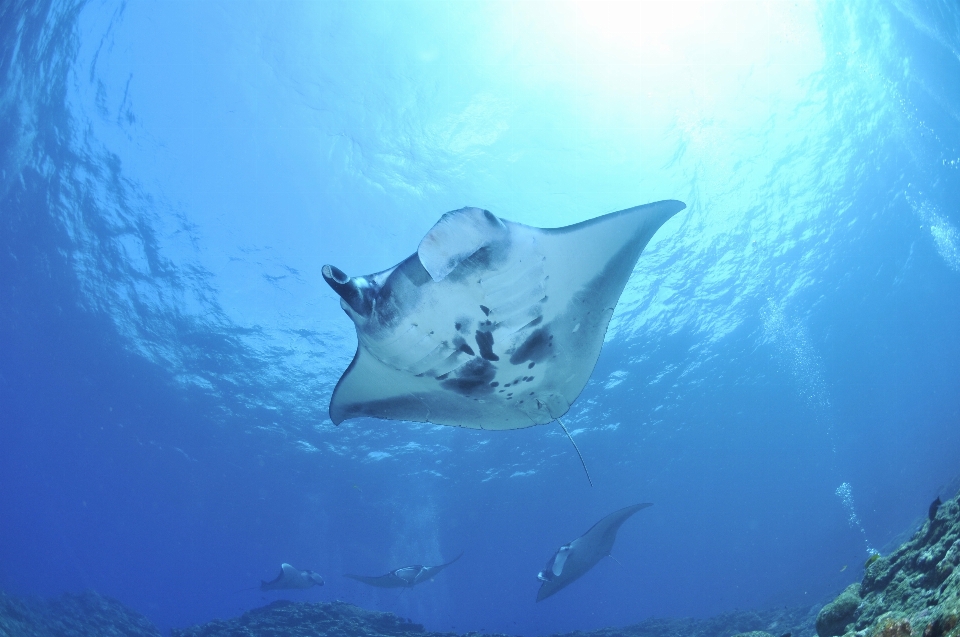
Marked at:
<point>337,618</point>
<point>91,615</point>
<point>913,592</point>
<point>71,616</point>
<point>795,622</point>
<point>303,619</point>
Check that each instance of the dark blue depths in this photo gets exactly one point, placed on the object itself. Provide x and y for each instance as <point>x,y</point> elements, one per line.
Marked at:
<point>168,347</point>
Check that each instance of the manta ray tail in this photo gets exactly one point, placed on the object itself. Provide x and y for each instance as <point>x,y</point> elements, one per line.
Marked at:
<point>580,455</point>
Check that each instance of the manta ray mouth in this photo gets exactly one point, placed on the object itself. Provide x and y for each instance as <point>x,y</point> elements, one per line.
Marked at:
<point>355,292</point>
<point>335,275</point>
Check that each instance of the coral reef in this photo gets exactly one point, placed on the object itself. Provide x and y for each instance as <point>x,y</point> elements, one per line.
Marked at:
<point>834,618</point>
<point>337,618</point>
<point>913,592</point>
<point>71,616</point>
<point>94,615</point>
<point>797,622</point>
<point>303,619</point>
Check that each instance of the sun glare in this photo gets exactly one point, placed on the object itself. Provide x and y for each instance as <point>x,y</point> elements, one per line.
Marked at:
<point>672,51</point>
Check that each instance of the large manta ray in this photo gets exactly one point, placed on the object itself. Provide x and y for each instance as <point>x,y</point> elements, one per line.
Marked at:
<point>491,324</point>
<point>576,558</point>
<point>404,577</point>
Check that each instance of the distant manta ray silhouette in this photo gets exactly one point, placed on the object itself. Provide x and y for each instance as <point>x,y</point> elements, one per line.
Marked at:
<point>405,577</point>
<point>292,578</point>
<point>490,324</point>
<point>576,558</point>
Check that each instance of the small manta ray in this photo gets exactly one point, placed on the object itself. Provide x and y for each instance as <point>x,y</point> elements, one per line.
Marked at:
<point>574,559</point>
<point>405,577</point>
<point>490,324</point>
<point>291,577</point>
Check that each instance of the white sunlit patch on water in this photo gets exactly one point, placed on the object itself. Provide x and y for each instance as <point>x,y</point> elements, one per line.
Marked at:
<point>184,454</point>
<point>490,474</point>
<point>305,446</point>
<point>589,414</point>
<point>508,469</point>
<point>339,450</point>
<point>425,455</point>
<point>615,379</point>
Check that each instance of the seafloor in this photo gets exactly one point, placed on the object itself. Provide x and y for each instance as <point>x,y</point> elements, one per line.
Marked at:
<point>912,592</point>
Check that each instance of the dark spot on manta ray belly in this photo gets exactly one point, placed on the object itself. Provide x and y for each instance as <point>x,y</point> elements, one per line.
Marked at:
<point>535,348</point>
<point>485,345</point>
<point>472,378</point>
<point>462,346</point>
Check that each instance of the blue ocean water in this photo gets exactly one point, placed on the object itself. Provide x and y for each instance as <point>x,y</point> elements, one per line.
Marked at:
<point>781,377</point>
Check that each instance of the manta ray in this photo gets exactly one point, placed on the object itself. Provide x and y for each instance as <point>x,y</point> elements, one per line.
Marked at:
<point>405,577</point>
<point>490,324</point>
<point>576,558</point>
<point>291,577</point>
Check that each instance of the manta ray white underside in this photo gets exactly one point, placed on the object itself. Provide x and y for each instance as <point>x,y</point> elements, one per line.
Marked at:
<point>491,324</point>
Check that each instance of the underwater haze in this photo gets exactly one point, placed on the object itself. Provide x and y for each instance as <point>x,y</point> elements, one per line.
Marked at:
<point>781,377</point>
